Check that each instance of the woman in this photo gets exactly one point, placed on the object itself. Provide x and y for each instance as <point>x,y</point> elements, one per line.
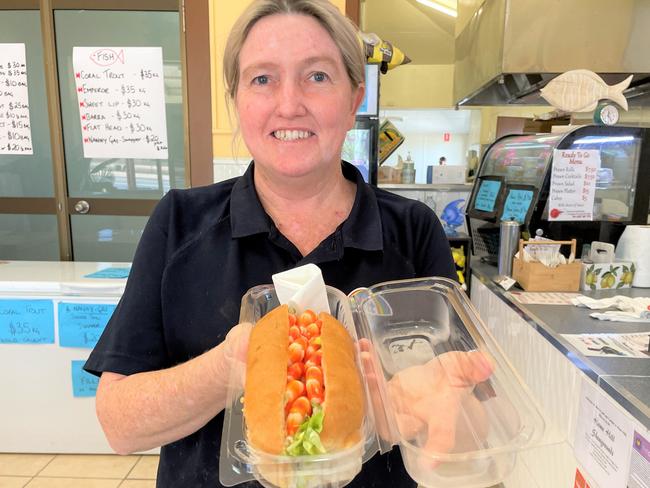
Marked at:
<point>294,70</point>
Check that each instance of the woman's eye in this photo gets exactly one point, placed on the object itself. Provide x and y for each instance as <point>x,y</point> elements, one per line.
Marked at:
<point>261,80</point>
<point>319,76</point>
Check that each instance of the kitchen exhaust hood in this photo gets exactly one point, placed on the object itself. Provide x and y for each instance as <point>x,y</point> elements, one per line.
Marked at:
<point>511,48</point>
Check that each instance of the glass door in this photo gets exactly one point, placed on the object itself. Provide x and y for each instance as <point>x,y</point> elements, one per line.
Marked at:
<point>28,210</point>
<point>121,93</point>
<point>99,101</point>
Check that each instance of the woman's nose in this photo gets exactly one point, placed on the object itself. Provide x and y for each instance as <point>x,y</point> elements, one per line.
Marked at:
<point>291,101</point>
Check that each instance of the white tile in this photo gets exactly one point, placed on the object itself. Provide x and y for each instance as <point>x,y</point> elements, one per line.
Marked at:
<point>90,466</point>
<point>145,469</point>
<point>138,484</point>
<point>23,464</point>
<point>72,483</point>
<point>14,481</point>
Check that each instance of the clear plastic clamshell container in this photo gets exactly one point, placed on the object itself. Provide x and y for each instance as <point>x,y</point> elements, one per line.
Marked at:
<point>437,385</point>
<point>449,397</point>
<point>239,462</point>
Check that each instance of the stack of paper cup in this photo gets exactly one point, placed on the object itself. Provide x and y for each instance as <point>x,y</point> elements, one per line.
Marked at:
<point>633,246</point>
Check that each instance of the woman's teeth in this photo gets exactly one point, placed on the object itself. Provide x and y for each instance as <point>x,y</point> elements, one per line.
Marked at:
<point>291,135</point>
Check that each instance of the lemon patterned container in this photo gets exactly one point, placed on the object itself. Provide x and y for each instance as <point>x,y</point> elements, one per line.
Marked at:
<point>607,276</point>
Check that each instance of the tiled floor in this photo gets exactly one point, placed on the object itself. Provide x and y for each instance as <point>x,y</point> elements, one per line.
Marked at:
<point>77,471</point>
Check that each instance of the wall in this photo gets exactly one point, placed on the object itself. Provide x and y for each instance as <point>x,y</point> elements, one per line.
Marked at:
<point>418,86</point>
<point>223,14</point>
<point>426,149</point>
<point>489,117</point>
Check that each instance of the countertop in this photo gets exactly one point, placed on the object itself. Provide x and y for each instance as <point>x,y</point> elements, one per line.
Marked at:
<point>427,186</point>
<point>627,380</point>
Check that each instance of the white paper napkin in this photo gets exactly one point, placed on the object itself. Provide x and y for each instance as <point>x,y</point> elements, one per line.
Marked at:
<point>302,288</point>
<point>631,309</point>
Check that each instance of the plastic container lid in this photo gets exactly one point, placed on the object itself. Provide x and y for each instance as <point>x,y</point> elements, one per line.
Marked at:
<point>426,336</point>
<point>416,337</point>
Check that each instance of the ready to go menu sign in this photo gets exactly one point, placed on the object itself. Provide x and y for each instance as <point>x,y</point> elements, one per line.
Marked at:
<point>573,184</point>
<point>15,131</point>
<point>121,96</point>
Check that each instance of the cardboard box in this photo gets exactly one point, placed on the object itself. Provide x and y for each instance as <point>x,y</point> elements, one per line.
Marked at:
<point>534,276</point>
<point>389,174</point>
<point>607,276</point>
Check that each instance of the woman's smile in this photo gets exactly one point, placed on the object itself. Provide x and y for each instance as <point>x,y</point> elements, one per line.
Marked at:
<point>288,135</point>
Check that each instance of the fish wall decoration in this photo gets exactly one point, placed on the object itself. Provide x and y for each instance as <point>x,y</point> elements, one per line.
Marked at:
<point>580,91</point>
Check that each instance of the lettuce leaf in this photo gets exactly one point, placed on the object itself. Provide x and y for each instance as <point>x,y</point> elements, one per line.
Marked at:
<point>306,441</point>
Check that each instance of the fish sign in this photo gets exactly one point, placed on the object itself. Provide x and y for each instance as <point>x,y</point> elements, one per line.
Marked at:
<point>580,90</point>
<point>107,57</point>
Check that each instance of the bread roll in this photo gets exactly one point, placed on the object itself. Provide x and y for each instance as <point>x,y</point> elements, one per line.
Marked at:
<point>266,380</point>
<point>344,408</point>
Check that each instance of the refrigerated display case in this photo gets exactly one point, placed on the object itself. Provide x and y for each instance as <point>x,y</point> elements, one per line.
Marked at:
<point>513,182</point>
<point>361,143</point>
<point>360,147</point>
<point>51,315</point>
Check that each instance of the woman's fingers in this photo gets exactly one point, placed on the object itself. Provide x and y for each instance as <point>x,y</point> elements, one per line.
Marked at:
<point>236,350</point>
<point>236,342</point>
<point>371,370</point>
<point>464,368</point>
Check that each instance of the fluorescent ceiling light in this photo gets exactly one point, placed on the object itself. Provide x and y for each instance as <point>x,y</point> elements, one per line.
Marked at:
<point>602,140</point>
<point>438,7</point>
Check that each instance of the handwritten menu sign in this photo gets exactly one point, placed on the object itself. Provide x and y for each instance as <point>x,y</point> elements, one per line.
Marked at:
<point>26,322</point>
<point>110,273</point>
<point>573,184</point>
<point>517,205</point>
<point>121,97</point>
<point>15,130</point>
<point>83,384</point>
<point>487,195</point>
<point>81,324</point>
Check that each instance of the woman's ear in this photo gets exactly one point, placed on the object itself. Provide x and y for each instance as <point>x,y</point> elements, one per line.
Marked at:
<point>357,97</point>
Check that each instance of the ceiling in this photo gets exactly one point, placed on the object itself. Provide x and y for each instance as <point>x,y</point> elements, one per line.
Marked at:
<point>420,32</point>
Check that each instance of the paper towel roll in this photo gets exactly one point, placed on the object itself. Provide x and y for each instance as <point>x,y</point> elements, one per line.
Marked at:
<point>633,246</point>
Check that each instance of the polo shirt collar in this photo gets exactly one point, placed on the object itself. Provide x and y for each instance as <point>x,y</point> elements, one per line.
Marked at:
<point>362,229</point>
<point>247,216</point>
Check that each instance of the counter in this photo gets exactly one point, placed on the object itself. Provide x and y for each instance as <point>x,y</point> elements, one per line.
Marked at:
<point>48,403</point>
<point>531,338</point>
<point>447,201</point>
<point>397,187</point>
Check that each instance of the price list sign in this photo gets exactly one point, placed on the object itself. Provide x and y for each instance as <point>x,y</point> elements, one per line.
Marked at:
<point>573,184</point>
<point>121,97</point>
<point>15,130</point>
<point>26,322</point>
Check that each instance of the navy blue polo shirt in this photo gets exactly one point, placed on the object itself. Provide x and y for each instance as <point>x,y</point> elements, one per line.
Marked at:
<point>203,248</point>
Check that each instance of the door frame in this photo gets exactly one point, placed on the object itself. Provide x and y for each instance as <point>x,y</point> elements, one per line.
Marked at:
<point>195,56</point>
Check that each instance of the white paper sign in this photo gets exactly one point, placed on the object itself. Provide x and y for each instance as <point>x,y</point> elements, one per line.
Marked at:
<point>573,184</point>
<point>15,130</point>
<point>603,438</point>
<point>543,298</point>
<point>632,345</point>
<point>121,96</point>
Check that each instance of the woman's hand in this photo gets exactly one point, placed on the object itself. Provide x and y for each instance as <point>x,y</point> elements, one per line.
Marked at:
<point>433,403</point>
<point>235,349</point>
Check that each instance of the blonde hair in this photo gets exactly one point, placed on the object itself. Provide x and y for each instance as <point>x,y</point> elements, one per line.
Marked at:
<point>341,29</point>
